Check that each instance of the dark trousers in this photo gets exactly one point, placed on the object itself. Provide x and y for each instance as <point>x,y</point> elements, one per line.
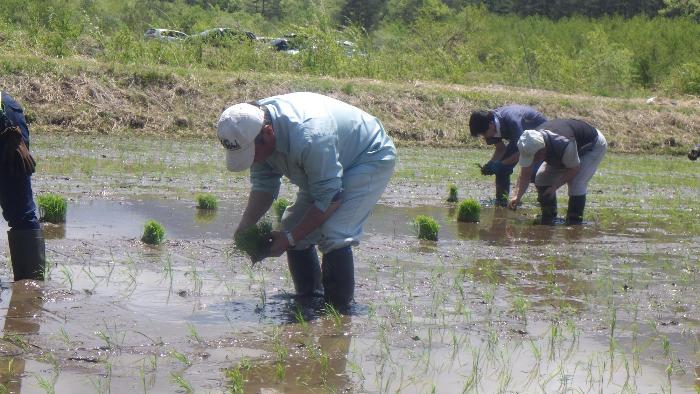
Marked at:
<point>16,200</point>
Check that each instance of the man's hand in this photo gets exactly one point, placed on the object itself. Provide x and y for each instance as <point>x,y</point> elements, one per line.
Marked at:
<point>280,244</point>
<point>491,167</point>
<point>15,159</point>
<point>513,203</point>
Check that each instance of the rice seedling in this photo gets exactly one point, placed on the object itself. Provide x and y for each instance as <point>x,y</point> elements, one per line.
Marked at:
<point>426,227</point>
<point>255,241</point>
<point>153,233</point>
<point>181,382</point>
<point>206,201</point>
<point>52,208</point>
<point>237,376</point>
<point>469,211</point>
<point>452,193</point>
<point>279,206</point>
<point>181,357</point>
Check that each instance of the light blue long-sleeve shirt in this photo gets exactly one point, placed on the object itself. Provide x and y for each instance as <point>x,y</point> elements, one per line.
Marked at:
<point>317,139</point>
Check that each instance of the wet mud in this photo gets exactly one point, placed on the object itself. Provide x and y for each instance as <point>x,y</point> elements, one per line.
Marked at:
<point>499,305</point>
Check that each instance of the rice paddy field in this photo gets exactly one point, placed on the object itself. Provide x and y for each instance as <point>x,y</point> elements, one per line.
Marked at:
<point>500,305</point>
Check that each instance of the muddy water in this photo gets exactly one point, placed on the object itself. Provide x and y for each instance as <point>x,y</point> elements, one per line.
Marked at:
<point>497,305</point>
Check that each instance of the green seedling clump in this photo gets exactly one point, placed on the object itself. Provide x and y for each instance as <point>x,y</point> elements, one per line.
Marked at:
<point>279,206</point>
<point>469,211</point>
<point>426,227</point>
<point>52,208</point>
<point>255,241</point>
<point>206,201</point>
<point>451,193</point>
<point>153,233</point>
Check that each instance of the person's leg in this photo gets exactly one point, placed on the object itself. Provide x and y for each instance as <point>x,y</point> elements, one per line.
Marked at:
<point>362,187</point>
<point>25,238</point>
<point>546,176</point>
<point>303,263</point>
<point>503,176</point>
<point>578,187</point>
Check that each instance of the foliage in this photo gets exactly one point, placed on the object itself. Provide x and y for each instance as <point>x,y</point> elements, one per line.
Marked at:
<point>686,79</point>
<point>469,211</point>
<point>452,193</point>
<point>454,41</point>
<point>206,201</point>
<point>426,227</point>
<point>279,206</point>
<point>153,233</point>
<point>52,208</point>
<point>255,241</point>
<point>675,8</point>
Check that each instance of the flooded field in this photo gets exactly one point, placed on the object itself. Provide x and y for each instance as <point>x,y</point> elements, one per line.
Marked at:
<point>496,306</point>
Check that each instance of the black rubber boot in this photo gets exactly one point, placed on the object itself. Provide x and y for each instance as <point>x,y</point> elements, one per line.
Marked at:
<point>28,253</point>
<point>305,271</point>
<point>502,188</point>
<point>339,277</point>
<point>548,204</point>
<point>574,215</point>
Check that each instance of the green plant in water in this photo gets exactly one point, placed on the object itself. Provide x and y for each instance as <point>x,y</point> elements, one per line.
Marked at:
<point>153,233</point>
<point>469,211</point>
<point>206,201</point>
<point>279,206</point>
<point>255,241</point>
<point>452,193</point>
<point>237,376</point>
<point>52,208</point>
<point>426,227</point>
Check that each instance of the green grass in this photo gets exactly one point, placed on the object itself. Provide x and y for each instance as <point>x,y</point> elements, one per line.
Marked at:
<point>206,201</point>
<point>469,211</point>
<point>279,206</point>
<point>452,193</point>
<point>255,240</point>
<point>426,227</point>
<point>52,208</point>
<point>153,233</point>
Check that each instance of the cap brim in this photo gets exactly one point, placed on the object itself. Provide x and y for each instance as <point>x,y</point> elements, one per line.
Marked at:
<point>525,160</point>
<point>240,159</point>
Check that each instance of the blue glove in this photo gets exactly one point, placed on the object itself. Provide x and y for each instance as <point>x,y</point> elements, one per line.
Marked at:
<point>491,167</point>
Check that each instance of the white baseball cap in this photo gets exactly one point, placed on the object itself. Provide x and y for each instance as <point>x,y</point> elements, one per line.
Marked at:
<point>237,128</point>
<point>530,142</point>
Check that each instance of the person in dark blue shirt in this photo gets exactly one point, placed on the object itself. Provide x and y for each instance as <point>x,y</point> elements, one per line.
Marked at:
<point>25,238</point>
<point>503,123</point>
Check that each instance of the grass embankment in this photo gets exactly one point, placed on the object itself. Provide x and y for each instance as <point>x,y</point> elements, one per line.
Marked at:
<point>91,97</point>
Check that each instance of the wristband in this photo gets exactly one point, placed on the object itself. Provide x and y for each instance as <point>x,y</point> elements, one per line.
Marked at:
<point>290,239</point>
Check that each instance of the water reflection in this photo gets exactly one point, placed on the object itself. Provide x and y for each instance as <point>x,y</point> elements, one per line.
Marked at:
<point>21,320</point>
<point>304,357</point>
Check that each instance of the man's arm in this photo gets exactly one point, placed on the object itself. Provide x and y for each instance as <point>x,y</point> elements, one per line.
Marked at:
<point>523,183</point>
<point>512,159</point>
<point>312,219</point>
<point>499,151</point>
<point>258,203</point>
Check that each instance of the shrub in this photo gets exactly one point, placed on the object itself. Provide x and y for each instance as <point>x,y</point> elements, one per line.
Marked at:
<point>153,233</point>
<point>469,211</point>
<point>255,241</point>
<point>52,208</point>
<point>206,201</point>
<point>279,206</point>
<point>426,227</point>
<point>452,193</point>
